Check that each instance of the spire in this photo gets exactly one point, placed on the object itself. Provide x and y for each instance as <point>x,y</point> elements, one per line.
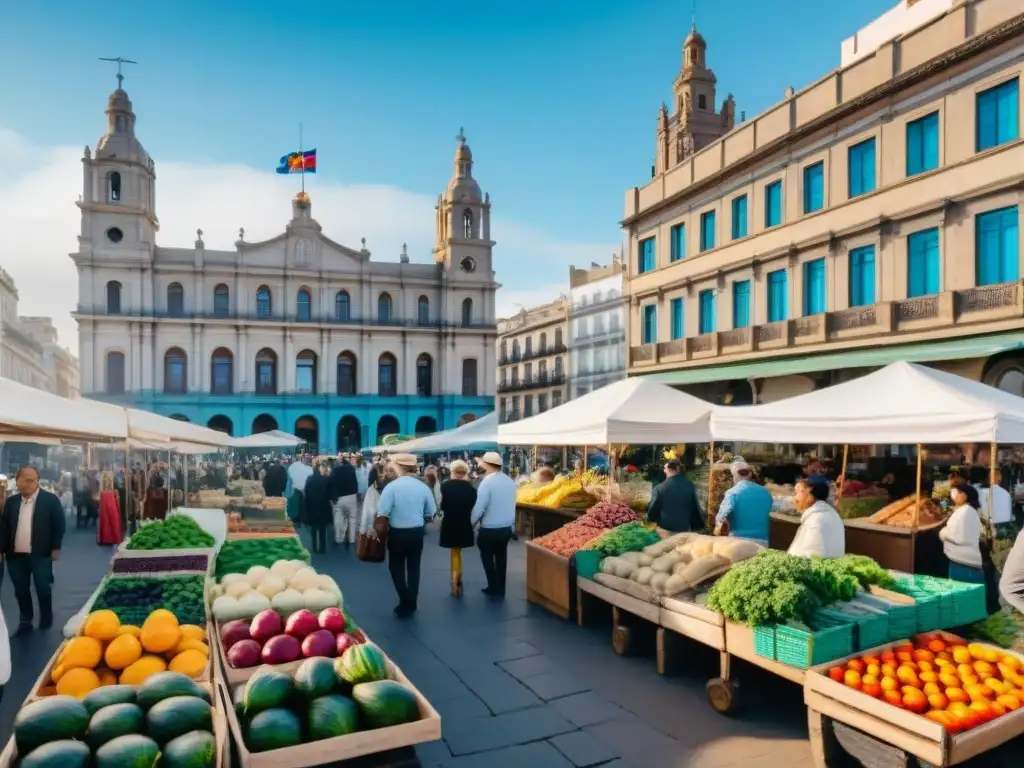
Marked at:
<point>119,139</point>
<point>463,186</point>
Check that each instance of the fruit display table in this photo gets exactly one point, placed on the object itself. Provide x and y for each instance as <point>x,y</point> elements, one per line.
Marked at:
<point>533,520</point>
<point>550,581</point>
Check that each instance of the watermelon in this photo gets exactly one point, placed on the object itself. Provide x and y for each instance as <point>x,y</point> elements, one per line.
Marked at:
<point>132,751</point>
<point>195,749</point>
<point>57,754</point>
<point>273,729</point>
<point>178,715</point>
<point>315,677</point>
<point>113,721</point>
<point>385,703</point>
<point>98,698</point>
<point>331,716</point>
<point>267,689</point>
<point>363,664</point>
<point>50,719</point>
<point>164,685</point>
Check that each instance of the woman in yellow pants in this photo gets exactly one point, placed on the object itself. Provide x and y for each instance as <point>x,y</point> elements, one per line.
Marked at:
<point>457,499</point>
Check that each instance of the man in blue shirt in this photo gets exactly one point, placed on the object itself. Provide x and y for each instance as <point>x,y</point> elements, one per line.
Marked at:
<point>408,503</point>
<point>495,511</point>
<point>746,506</point>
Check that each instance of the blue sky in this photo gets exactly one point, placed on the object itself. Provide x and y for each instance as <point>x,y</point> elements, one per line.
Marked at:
<point>558,98</point>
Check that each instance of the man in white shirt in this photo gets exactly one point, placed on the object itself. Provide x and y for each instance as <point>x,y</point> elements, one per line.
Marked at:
<point>495,511</point>
<point>1003,507</point>
<point>821,532</point>
<point>299,472</point>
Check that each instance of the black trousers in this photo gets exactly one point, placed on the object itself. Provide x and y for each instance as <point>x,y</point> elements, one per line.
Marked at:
<point>405,550</point>
<point>26,570</point>
<point>318,534</point>
<point>493,546</point>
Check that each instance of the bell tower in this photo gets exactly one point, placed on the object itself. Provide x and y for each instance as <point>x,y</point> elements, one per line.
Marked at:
<point>118,202</point>
<point>463,218</point>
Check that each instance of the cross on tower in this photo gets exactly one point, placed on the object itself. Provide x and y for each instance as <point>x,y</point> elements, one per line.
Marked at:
<point>119,61</point>
<point>461,137</point>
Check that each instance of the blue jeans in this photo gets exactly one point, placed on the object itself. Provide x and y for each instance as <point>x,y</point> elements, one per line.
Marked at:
<point>966,573</point>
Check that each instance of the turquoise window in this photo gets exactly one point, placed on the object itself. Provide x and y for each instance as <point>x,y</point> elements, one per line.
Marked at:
<point>741,304</point>
<point>862,168</point>
<point>707,311</point>
<point>814,187</point>
<point>773,204</point>
<point>676,311</point>
<point>814,287</point>
<point>997,115</point>
<point>923,144</point>
<point>650,327</point>
<point>646,256</point>
<point>707,230</point>
<point>739,217</point>
<point>778,296</point>
<point>677,242</point>
<point>923,263</point>
<point>862,276</point>
<point>997,247</point>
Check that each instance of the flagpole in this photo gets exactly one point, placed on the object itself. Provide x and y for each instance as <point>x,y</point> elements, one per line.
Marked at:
<point>302,159</point>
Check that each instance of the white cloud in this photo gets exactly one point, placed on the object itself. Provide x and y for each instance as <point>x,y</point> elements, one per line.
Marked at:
<point>39,224</point>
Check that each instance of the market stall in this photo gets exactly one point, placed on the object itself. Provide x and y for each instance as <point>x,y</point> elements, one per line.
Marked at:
<point>478,435</point>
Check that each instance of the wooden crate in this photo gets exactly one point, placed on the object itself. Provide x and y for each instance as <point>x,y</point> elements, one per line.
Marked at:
<point>535,520</point>
<point>550,580</point>
<point>914,734</point>
<point>339,748</point>
<point>693,621</point>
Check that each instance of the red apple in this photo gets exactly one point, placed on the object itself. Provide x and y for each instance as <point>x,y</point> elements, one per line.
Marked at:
<point>358,636</point>
<point>343,642</point>
<point>332,619</point>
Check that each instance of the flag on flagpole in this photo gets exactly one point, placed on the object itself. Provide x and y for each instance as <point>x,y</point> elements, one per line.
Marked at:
<point>298,162</point>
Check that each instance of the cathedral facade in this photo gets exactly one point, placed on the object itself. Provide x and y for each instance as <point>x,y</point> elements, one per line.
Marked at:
<point>299,332</point>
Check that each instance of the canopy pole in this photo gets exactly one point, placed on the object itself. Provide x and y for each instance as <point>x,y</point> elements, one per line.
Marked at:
<point>711,477</point>
<point>533,461</point>
<point>611,470</point>
<point>584,462</point>
<point>990,524</point>
<point>842,473</point>
<point>170,486</point>
<point>917,501</point>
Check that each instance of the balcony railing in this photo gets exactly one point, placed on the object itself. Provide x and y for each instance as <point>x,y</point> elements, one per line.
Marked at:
<point>534,382</point>
<point>597,336</point>
<point>580,308</point>
<point>554,349</point>
<point>281,317</point>
<point>984,304</point>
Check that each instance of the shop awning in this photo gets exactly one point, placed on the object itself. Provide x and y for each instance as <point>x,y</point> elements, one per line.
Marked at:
<point>979,346</point>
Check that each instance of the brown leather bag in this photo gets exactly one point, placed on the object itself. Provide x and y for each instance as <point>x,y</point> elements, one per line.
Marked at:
<point>371,547</point>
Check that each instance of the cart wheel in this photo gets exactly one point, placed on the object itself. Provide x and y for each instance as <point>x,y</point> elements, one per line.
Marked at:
<point>622,638</point>
<point>722,695</point>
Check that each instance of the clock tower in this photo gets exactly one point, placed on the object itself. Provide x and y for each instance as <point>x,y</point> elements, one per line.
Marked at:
<point>463,242</point>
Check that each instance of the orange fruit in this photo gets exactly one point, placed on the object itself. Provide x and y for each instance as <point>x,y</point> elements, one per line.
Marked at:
<point>1012,662</point>
<point>852,679</point>
<point>856,665</point>
<point>872,688</point>
<point>925,666</point>
<point>889,670</point>
<point>905,648</point>
<point>929,677</point>
<point>875,670</point>
<point>998,686</point>
<point>914,700</point>
<point>931,688</point>
<point>904,656</point>
<point>1009,702</point>
<point>938,701</point>
<point>1006,671</point>
<point>983,668</point>
<point>936,646</point>
<point>871,659</point>
<point>957,695</point>
<point>998,708</point>
<point>908,676</point>
<point>961,655</point>
<point>894,698</point>
<point>984,710</point>
<point>889,684</point>
<point>923,654</point>
<point>1018,694</point>
<point>980,692</point>
<point>946,719</point>
<point>888,656</point>
<point>949,680</point>
<point>836,673</point>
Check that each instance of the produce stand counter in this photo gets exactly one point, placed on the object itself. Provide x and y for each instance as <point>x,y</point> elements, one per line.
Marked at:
<point>891,546</point>
<point>836,712</point>
<point>535,520</point>
<point>550,580</point>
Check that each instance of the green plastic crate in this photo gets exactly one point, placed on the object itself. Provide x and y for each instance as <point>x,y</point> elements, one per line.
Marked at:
<point>927,603</point>
<point>588,563</point>
<point>871,630</point>
<point>800,649</point>
<point>764,641</point>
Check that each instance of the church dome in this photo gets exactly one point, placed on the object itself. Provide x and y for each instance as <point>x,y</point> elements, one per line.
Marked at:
<point>120,141</point>
<point>695,38</point>
<point>463,187</point>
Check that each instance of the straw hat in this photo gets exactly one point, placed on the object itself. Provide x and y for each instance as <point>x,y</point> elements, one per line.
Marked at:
<point>491,457</point>
<point>406,460</point>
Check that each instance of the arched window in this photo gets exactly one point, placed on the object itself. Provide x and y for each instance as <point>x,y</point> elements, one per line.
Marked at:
<point>303,306</point>
<point>467,224</point>
<point>175,371</point>
<point>702,101</point>
<point>114,188</point>
<point>467,311</point>
<point>558,338</point>
<point>175,300</point>
<point>342,307</point>
<point>221,300</point>
<point>543,343</point>
<point>384,308</point>
<point>266,372</point>
<point>423,310</point>
<point>263,305</point>
<point>558,367</point>
<point>515,349</point>
<point>529,346</point>
<point>222,370</point>
<point>469,385</point>
<point>113,298</point>
<point>346,374</point>
<point>504,350</point>
<point>305,372</point>
<point>424,375</point>
<point>387,375</point>
<point>115,373</point>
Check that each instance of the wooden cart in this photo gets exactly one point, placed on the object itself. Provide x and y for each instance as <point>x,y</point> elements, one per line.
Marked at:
<point>832,705</point>
<point>534,520</point>
<point>550,580</point>
<point>627,611</point>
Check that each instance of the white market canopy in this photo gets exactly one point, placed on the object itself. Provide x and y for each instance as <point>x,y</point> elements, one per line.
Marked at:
<point>152,427</point>
<point>632,411</point>
<point>478,435</point>
<point>27,413</point>
<point>902,403</point>
<point>275,438</point>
